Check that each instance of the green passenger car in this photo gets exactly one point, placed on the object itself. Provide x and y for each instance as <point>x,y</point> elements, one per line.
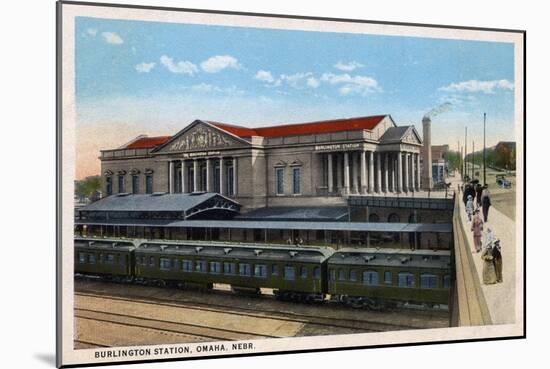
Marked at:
<point>378,277</point>
<point>105,257</point>
<point>291,272</point>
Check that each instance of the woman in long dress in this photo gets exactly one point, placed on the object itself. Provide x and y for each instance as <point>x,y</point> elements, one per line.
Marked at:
<point>489,274</point>
<point>477,229</point>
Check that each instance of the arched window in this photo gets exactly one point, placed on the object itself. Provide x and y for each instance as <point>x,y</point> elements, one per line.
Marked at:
<point>428,281</point>
<point>405,279</point>
<point>393,218</point>
<point>374,218</point>
<point>370,278</point>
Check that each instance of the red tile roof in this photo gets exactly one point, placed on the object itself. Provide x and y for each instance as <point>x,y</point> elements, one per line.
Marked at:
<point>148,142</point>
<point>326,126</point>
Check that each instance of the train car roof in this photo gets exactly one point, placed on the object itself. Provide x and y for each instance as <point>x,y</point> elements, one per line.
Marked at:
<point>104,244</point>
<point>438,259</point>
<point>232,250</point>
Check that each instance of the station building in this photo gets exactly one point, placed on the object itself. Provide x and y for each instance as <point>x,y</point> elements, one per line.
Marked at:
<point>221,181</point>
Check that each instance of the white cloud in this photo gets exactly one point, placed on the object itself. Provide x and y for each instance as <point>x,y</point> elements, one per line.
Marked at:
<point>313,82</point>
<point>264,76</point>
<point>91,31</point>
<point>112,38</point>
<point>473,85</point>
<point>145,67</point>
<point>218,63</point>
<point>348,67</point>
<point>351,84</point>
<point>181,67</point>
<point>296,80</point>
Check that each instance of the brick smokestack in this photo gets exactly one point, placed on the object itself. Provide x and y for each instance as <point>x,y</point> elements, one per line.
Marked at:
<point>427,179</point>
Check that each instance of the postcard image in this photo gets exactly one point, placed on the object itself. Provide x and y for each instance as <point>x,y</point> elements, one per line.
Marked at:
<point>239,184</point>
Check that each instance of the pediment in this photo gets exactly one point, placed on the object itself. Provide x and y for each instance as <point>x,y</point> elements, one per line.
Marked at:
<point>199,136</point>
<point>412,137</point>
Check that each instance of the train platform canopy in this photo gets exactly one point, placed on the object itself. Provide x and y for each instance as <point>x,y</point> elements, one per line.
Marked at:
<point>287,213</point>
<point>180,205</point>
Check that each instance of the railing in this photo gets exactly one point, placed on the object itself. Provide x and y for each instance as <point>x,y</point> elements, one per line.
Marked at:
<point>468,307</point>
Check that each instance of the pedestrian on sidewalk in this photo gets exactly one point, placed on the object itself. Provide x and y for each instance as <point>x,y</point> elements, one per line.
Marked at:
<point>489,237</point>
<point>497,260</point>
<point>470,207</point>
<point>489,274</point>
<point>479,190</point>
<point>477,229</point>
<point>485,202</point>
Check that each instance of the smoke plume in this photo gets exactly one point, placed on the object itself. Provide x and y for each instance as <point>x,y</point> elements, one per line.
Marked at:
<point>438,110</point>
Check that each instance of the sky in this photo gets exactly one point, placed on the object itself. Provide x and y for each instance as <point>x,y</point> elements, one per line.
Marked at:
<point>136,77</point>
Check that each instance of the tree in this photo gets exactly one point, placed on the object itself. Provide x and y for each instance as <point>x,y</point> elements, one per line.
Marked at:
<point>88,187</point>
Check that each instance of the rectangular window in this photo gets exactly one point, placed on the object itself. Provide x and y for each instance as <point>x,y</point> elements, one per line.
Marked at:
<point>110,259</point>
<point>165,264</point>
<point>428,281</point>
<point>109,185</point>
<point>245,270</point>
<point>81,257</point>
<point>370,278</point>
<point>120,184</point>
<point>135,184</point>
<point>279,181</point>
<point>290,273</point>
<point>341,275</point>
<point>274,270</point>
<point>230,174</point>
<point>187,265</point>
<point>215,267</point>
<point>229,268</point>
<point>217,179</point>
<point>353,275</point>
<point>149,183</point>
<point>332,274</point>
<point>296,181</point>
<point>200,266</point>
<point>260,271</point>
<point>91,258</point>
<point>405,280</point>
<point>387,278</point>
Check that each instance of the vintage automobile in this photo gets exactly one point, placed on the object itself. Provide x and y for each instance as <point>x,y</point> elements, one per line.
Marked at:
<point>502,182</point>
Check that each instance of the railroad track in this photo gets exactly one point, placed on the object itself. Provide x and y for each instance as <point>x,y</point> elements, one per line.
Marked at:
<point>89,344</point>
<point>203,332</point>
<point>354,325</point>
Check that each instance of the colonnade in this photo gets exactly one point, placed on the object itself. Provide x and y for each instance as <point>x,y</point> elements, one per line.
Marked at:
<point>203,175</point>
<point>362,172</point>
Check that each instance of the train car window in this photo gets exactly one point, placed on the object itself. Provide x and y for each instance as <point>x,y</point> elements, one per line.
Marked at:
<point>245,270</point>
<point>165,264</point>
<point>405,280</point>
<point>341,275</point>
<point>428,281</point>
<point>447,281</point>
<point>274,270</point>
<point>353,275</point>
<point>387,278</point>
<point>91,258</point>
<point>260,271</point>
<point>289,273</point>
<point>215,267</point>
<point>303,272</point>
<point>110,259</point>
<point>370,278</point>
<point>229,268</point>
<point>81,257</point>
<point>187,265</point>
<point>317,272</point>
<point>151,261</point>
<point>200,266</point>
<point>332,274</point>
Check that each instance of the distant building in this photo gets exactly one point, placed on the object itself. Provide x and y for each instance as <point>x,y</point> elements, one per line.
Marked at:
<point>505,155</point>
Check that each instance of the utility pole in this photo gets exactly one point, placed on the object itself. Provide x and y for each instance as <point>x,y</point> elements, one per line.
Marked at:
<point>484,145</point>
<point>473,150</point>
<point>465,150</point>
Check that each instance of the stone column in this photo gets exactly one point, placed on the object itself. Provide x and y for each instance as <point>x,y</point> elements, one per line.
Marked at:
<point>413,175</point>
<point>407,172</point>
<point>418,172</point>
<point>386,170</point>
<point>184,188</point>
<point>354,160</point>
<point>338,173</point>
<point>235,177</point>
<point>378,173</point>
<point>330,179</point>
<point>221,177</point>
<point>364,186</point>
<point>346,173</point>
<point>371,171</point>
<point>195,175</point>
<point>208,175</point>
<point>399,172</point>
<point>171,177</point>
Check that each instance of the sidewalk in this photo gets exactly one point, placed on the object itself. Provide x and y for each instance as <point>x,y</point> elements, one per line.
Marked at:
<point>500,297</point>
